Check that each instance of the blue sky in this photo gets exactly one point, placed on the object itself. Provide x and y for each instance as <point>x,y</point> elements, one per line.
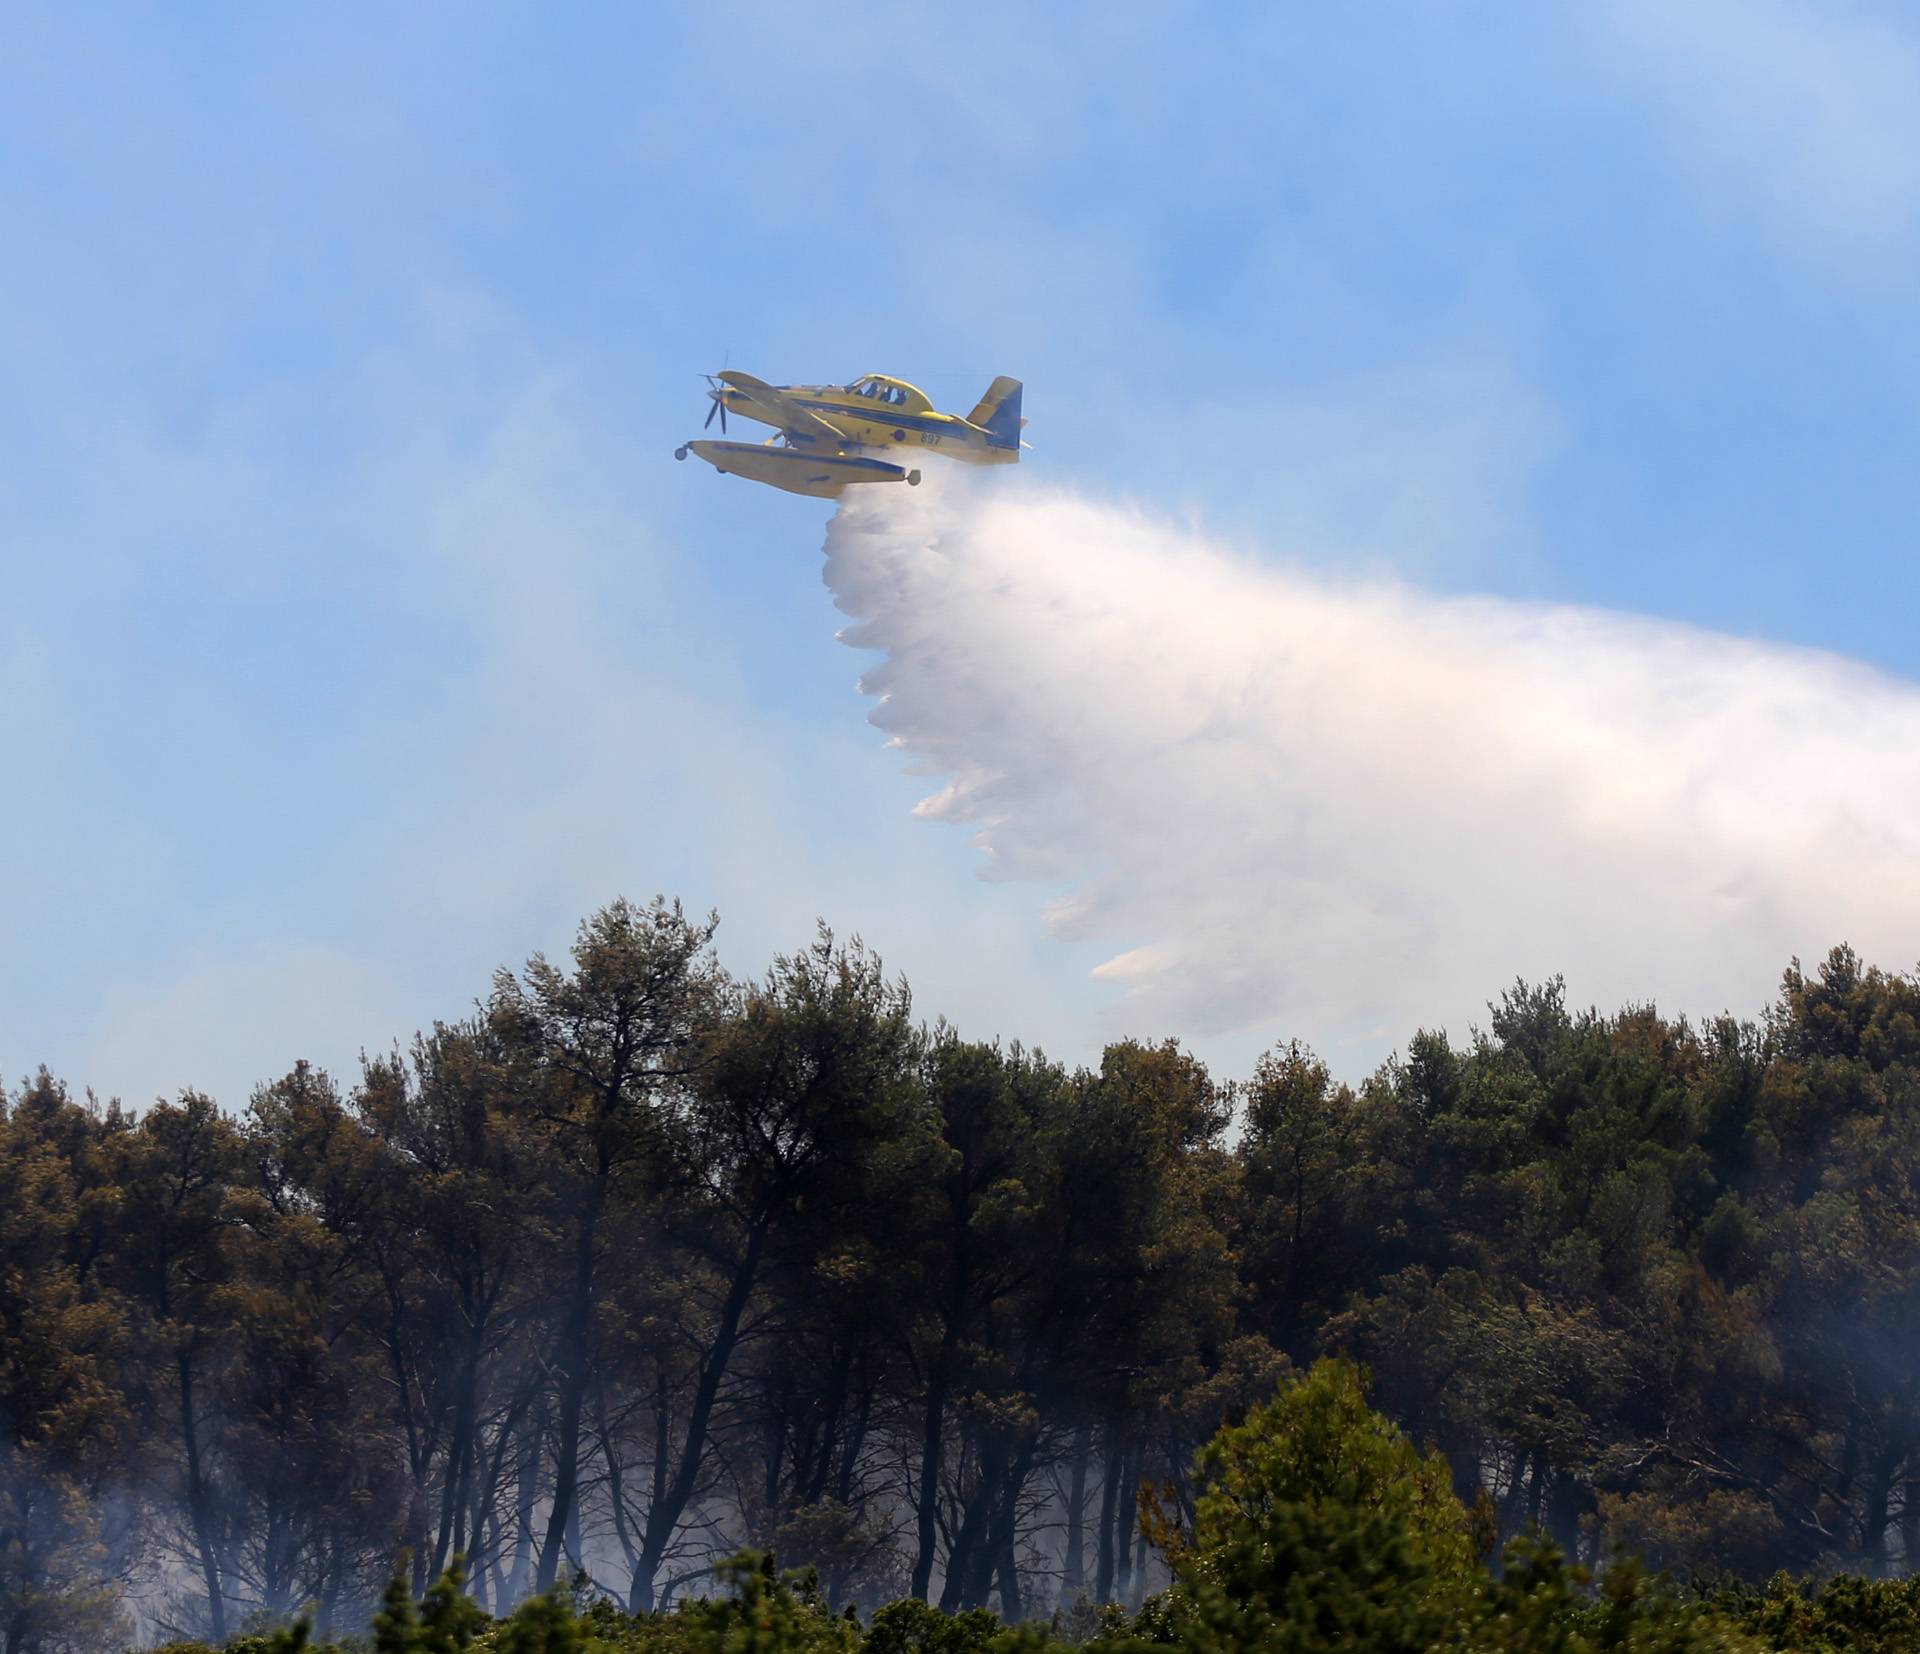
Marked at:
<point>358,634</point>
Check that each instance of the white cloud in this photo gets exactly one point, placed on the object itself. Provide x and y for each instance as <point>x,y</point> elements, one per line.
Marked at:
<point>1344,811</point>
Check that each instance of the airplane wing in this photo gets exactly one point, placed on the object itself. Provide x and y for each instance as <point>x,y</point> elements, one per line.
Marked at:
<point>772,408</point>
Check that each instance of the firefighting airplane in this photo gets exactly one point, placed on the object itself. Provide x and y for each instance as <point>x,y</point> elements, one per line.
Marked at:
<point>819,428</point>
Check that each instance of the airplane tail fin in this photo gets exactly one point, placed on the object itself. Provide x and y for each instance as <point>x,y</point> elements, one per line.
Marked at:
<point>998,412</point>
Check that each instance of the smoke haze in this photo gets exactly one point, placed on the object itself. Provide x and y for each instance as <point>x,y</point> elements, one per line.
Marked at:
<point>1343,811</point>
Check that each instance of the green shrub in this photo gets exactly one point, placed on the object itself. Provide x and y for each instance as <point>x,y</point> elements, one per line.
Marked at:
<point>911,1626</point>
<point>1847,1615</point>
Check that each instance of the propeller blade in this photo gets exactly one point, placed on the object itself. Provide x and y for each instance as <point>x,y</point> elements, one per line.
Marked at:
<point>718,392</point>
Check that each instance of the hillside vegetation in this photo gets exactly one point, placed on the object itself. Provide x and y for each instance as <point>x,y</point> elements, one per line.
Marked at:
<point>1319,1527</point>
<point>639,1265</point>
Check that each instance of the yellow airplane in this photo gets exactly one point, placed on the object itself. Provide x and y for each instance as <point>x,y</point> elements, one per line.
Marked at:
<point>819,428</point>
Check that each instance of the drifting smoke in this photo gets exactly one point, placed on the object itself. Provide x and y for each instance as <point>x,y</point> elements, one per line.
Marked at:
<point>1348,810</point>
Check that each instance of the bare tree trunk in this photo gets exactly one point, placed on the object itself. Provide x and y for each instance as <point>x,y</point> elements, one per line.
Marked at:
<point>1123,1525</point>
<point>198,1502</point>
<point>1516,1491</point>
<point>663,1515</point>
<point>1109,1485</point>
<point>640,1589</point>
<point>419,1447</point>
<point>485,1521</point>
<point>616,1488</point>
<point>933,1432</point>
<point>572,1541</point>
<point>329,1600</point>
<point>855,1444</point>
<point>970,1561</point>
<point>1564,1502</point>
<point>1011,1608</point>
<point>970,1554</point>
<point>574,1345</point>
<point>454,1492</point>
<point>1074,1580</point>
<point>1910,1521</point>
<point>526,1495</point>
<point>1005,1530</point>
<point>1142,1550</point>
<point>1875,1519</point>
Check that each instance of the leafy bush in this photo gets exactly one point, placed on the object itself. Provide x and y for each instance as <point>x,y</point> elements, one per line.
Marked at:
<point>1847,1615</point>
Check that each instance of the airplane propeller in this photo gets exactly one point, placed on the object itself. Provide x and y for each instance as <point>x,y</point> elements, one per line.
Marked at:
<point>719,407</point>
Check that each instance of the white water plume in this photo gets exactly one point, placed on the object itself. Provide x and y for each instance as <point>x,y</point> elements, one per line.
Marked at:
<point>1347,810</point>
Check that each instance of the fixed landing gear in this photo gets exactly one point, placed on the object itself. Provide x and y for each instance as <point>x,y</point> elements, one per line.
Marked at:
<point>913,479</point>
<point>680,453</point>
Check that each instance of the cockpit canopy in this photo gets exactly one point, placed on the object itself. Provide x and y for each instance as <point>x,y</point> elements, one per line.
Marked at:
<point>889,392</point>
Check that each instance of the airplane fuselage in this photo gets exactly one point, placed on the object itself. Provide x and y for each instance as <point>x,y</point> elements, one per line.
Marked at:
<point>867,425</point>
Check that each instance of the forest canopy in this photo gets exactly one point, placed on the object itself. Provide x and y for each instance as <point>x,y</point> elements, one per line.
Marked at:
<point>640,1264</point>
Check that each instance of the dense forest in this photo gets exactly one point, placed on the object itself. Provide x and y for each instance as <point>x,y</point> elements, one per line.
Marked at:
<point>639,1264</point>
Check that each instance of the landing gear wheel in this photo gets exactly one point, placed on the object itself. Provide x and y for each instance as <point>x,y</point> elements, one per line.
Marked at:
<point>913,479</point>
<point>679,453</point>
